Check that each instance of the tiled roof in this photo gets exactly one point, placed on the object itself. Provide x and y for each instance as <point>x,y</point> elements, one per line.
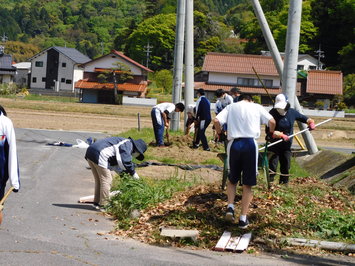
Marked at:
<point>325,82</point>
<point>71,53</point>
<point>239,64</point>
<point>84,84</point>
<point>251,90</point>
<point>120,54</point>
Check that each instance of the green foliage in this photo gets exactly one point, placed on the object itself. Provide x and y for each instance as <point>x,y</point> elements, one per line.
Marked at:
<point>8,89</point>
<point>341,106</point>
<point>21,51</point>
<point>331,224</point>
<point>349,89</point>
<point>164,79</point>
<point>140,194</point>
<point>319,104</point>
<point>257,99</point>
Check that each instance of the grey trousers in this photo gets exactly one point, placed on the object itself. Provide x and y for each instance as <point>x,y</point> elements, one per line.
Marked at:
<point>103,181</point>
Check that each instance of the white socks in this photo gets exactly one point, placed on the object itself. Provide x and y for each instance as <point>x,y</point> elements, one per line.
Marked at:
<point>243,218</point>
<point>231,206</point>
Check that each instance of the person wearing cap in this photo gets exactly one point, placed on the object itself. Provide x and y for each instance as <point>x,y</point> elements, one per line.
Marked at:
<point>161,114</point>
<point>243,119</point>
<point>113,153</point>
<point>203,119</point>
<point>223,99</point>
<point>285,118</point>
<point>9,168</point>
<point>235,93</point>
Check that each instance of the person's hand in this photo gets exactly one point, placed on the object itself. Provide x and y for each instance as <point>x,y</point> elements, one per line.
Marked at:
<point>222,136</point>
<point>280,135</point>
<point>136,176</point>
<point>311,125</point>
<point>268,136</point>
<point>15,190</point>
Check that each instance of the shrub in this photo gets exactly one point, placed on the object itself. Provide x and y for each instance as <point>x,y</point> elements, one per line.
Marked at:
<point>319,104</point>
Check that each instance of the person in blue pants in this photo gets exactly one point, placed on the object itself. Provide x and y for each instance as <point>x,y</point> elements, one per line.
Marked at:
<point>161,114</point>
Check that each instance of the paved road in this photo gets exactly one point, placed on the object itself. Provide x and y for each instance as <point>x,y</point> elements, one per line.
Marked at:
<point>44,225</point>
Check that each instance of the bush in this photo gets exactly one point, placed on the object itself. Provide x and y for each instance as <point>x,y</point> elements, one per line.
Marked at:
<point>8,89</point>
<point>319,105</point>
<point>341,106</point>
<point>257,99</point>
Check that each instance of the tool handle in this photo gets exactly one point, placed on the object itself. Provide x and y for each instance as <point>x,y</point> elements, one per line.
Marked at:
<point>6,195</point>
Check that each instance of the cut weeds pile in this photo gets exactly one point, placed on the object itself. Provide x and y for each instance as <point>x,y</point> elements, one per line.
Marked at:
<point>308,208</point>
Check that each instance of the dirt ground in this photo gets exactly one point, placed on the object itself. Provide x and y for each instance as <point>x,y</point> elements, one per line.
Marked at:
<point>340,132</point>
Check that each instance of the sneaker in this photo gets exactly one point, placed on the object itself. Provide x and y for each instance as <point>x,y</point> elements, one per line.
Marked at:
<point>96,206</point>
<point>229,215</point>
<point>195,146</point>
<point>242,224</point>
<point>208,149</point>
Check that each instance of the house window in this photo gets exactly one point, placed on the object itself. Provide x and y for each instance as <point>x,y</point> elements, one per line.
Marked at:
<point>44,79</point>
<point>68,81</point>
<point>64,64</point>
<point>39,63</point>
<point>34,79</point>
<point>62,80</point>
<point>268,83</point>
<point>300,67</point>
<point>312,67</point>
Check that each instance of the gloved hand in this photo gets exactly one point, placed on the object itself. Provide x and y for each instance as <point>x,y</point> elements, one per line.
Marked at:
<point>136,176</point>
<point>222,136</point>
<point>268,136</point>
<point>311,125</point>
<point>280,135</point>
<point>15,190</point>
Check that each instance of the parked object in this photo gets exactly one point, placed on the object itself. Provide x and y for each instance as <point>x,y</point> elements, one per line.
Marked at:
<point>234,244</point>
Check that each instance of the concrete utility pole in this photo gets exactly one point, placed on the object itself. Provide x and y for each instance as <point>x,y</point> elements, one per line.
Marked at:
<point>147,51</point>
<point>178,61</point>
<point>189,55</point>
<point>320,54</point>
<point>308,138</point>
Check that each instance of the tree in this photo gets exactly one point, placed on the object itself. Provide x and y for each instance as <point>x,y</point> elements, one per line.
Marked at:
<point>164,79</point>
<point>349,90</point>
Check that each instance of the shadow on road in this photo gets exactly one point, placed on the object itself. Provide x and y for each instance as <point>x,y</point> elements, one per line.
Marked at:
<point>74,206</point>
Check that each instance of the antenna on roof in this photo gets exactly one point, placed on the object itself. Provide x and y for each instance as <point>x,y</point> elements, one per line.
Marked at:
<point>3,40</point>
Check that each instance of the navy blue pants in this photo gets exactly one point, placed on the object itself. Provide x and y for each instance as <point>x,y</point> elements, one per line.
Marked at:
<point>201,136</point>
<point>158,126</point>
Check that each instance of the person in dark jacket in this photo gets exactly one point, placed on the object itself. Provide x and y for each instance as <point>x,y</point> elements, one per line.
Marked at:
<point>203,119</point>
<point>285,118</point>
<point>9,168</point>
<point>114,153</point>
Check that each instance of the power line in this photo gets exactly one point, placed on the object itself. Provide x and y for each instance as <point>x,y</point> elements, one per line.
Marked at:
<point>147,51</point>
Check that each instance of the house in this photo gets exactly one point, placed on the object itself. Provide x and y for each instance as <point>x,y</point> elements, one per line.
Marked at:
<point>22,77</point>
<point>57,68</point>
<point>222,70</point>
<point>95,90</point>
<point>7,71</point>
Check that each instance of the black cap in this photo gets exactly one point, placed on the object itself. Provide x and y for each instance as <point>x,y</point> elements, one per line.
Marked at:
<point>140,146</point>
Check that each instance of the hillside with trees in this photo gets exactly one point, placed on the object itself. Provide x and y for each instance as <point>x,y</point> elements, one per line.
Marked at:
<point>94,27</point>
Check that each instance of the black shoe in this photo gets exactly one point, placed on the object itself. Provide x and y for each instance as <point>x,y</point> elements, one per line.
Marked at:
<point>208,149</point>
<point>195,146</point>
<point>242,224</point>
<point>229,215</point>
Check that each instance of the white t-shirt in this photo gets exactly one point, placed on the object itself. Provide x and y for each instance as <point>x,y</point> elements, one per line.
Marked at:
<point>244,119</point>
<point>170,107</point>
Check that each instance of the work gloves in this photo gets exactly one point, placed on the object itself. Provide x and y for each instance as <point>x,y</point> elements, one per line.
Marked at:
<point>222,136</point>
<point>136,176</point>
<point>277,135</point>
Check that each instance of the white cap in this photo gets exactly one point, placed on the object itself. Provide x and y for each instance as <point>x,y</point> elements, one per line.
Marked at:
<point>280,101</point>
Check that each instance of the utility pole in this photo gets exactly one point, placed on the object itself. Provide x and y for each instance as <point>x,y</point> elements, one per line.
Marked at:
<point>311,146</point>
<point>2,46</point>
<point>147,51</point>
<point>189,55</point>
<point>320,54</point>
<point>178,60</point>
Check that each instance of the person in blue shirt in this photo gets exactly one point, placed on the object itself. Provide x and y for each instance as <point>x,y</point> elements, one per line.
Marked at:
<point>285,118</point>
<point>9,168</point>
<point>114,153</point>
<point>203,119</point>
<point>235,93</point>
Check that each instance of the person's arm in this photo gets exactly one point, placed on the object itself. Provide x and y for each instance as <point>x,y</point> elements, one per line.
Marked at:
<point>124,157</point>
<point>14,175</point>
<point>165,118</point>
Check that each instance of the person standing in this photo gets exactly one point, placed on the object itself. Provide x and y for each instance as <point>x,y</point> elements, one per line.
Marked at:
<point>161,118</point>
<point>243,119</point>
<point>235,93</point>
<point>9,168</point>
<point>285,118</point>
<point>114,153</point>
<point>203,119</point>
<point>191,117</point>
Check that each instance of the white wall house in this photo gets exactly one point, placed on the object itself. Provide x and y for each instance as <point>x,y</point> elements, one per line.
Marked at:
<point>7,71</point>
<point>23,69</point>
<point>57,68</point>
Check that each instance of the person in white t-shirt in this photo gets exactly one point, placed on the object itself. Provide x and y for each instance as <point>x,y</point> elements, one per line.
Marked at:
<point>160,118</point>
<point>243,120</point>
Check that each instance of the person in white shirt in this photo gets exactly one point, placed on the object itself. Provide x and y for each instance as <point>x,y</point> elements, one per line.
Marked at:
<point>223,99</point>
<point>191,117</point>
<point>243,120</point>
<point>9,168</point>
<point>160,118</point>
